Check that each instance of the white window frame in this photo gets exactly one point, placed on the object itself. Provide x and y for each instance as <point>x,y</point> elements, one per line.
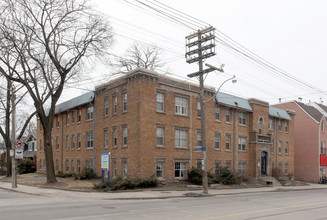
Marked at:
<point>271,123</point>
<point>181,138</point>
<point>57,143</point>
<point>73,141</point>
<point>106,107</point>
<point>242,168</point>
<point>160,169</point>
<point>242,115</point>
<point>181,105</point>
<point>106,138</point>
<point>124,168</point>
<point>199,109</point>
<point>160,136</point>
<point>115,104</point>
<point>89,113</point>
<point>67,142</point>
<point>125,133</point>
<point>67,118</point>
<point>286,125</point>
<point>280,143</point>
<point>89,140</point>
<point>242,144</point>
<point>79,141</point>
<point>124,102</point>
<point>79,115</point>
<point>227,142</point>
<point>217,167</point>
<point>228,114</point>
<point>217,141</point>
<point>160,102</point>
<point>286,148</point>
<point>199,139</point>
<point>217,112</point>
<point>181,170</point>
<point>114,137</point>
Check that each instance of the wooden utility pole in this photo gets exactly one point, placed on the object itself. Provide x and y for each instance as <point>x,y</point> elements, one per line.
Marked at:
<point>204,41</point>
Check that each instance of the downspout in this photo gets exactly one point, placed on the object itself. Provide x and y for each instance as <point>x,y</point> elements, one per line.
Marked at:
<point>276,136</point>
<point>234,136</point>
<point>191,125</point>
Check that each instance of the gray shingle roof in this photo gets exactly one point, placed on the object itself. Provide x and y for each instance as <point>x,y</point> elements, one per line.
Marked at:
<point>313,112</point>
<point>73,103</point>
<point>233,101</point>
<point>279,113</point>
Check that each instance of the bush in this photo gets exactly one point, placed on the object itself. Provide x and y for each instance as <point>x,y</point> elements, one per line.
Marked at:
<point>120,183</point>
<point>194,176</point>
<point>86,174</point>
<point>227,177</point>
<point>26,166</point>
<point>64,175</point>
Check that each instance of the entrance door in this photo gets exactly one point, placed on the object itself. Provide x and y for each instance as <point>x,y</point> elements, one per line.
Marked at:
<point>263,163</point>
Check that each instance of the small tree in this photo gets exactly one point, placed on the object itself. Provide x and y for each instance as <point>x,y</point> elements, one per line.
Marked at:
<point>48,41</point>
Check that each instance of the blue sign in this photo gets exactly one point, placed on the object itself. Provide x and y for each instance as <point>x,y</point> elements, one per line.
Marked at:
<point>105,165</point>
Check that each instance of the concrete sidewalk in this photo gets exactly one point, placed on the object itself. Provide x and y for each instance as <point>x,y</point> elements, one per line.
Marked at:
<point>147,194</point>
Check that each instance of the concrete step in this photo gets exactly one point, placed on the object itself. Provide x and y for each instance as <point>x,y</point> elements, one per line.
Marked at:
<point>269,180</point>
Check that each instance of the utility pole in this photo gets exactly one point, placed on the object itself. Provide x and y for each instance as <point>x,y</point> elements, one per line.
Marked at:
<point>13,137</point>
<point>204,40</point>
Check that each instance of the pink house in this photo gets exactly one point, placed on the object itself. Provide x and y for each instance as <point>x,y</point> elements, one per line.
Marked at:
<point>310,137</point>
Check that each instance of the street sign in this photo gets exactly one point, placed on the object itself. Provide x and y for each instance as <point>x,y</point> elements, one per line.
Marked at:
<point>198,149</point>
<point>19,143</point>
<point>19,153</point>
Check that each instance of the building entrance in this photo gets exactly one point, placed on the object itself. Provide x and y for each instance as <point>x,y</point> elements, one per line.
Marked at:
<point>264,160</point>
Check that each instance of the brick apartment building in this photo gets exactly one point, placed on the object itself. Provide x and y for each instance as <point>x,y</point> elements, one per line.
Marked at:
<point>310,137</point>
<point>151,126</point>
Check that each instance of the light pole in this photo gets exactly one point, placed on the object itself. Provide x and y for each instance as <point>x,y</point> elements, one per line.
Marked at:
<point>234,80</point>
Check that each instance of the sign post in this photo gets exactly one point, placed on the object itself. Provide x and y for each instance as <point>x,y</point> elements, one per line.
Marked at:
<point>105,165</point>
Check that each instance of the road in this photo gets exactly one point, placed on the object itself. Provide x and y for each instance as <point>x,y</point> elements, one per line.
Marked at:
<point>306,204</point>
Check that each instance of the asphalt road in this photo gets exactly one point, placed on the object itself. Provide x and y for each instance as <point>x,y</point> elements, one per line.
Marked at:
<point>308,204</point>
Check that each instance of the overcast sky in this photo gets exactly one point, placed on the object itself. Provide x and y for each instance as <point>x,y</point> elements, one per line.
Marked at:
<point>289,34</point>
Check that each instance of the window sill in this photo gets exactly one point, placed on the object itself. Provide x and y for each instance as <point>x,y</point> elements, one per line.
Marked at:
<point>181,148</point>
<point>124,112</point>
<point>243,125</point>
<point>218,121</point>
<point>89,120</point>
<point>160,112</point>
<point>89,148</point>
<point>106,147</point>
<point>217,149</point>
<point>78,149</point>
<point>73,148</point>
<point>106,116</point>
<point>228,122</point>
<point>240,151</point>
<point>160,147</point>
<point>114,114</point>
<point>124,146</point>
<point>228,150</point>
<point>78,122</point>
<point>180,115</point>
<point>114,147</point>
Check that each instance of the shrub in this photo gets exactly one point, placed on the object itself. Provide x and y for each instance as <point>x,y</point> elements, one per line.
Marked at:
<point>64,175</point>
<point>194,176</point>
<point>120,183</point>
<point>86,174</point>
<point>227,176</point>
<point>26,166</point>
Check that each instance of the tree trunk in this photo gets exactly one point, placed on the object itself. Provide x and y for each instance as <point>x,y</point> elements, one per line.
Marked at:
<point>8,158</point>
<point>51,176</point>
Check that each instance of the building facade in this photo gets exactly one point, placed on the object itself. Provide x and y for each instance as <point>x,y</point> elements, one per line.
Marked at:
<point>151,125</point>
<point>310,137</point>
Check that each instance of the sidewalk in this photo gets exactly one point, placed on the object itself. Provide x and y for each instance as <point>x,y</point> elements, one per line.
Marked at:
<point>147,194</point>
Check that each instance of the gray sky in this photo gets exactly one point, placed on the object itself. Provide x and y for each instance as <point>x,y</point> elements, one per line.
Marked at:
<point>289,34</point>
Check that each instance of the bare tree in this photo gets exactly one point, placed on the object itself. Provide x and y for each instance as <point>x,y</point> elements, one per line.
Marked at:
<point>148,57</point>
<point>6,109</point>
<point>49,42</point>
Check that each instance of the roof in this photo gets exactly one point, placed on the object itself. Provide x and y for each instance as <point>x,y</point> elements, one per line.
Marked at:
<point>73,103</point>
<point>324,107</point>
<point>279,113</point>
<point>233,101</point>
<point>313,112</point>
<point>29,153</point>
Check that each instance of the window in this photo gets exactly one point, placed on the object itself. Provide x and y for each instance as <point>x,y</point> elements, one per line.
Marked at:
<point>199,139</point>
<point>323,148</point>
<point>89,163</point>
<point>57,143</point>
<point>67,142</point>
<point>280,147</point>
<point>106,138</point>
<point>228,137</point>
<point>124,102</point>
<point>79,141</point>
<point>89,139</point>
<point>57,164</point>
<point>217,112</point>
<point>73,116</point>
<point>180,170</point>
<point>57,123</point>
<point>67,118</point>
<point>78,166</point>
<point>31,146</point>
<point>180,106</point>
<point>114,136</point>
<point>271,123</point>
<point>67,166</point>
<point>181,138</point>
<point>242,118</point>
<point>286,168</point>
<point>280,125</point>
<point>125,136</point>
<point>79,115</point>
<point>160,168</point>
<point>280,166</point>
<point>242,144</point>
<point>242,168</point>
<point>322,126</point>
<point>72,165</point>
<point>286,148</point>
<point>115,104</point>
<point>124,168</point>
<point>286,126</point>
<point>160,102</point>
<point>229,165</point>
<point>227,114</point>
<point>217,141</point>
<point>40,144</point>
<point>160,136</point>
<point>73,142</point>
<point>217,167</point>
<point>89,113</point>
<point>260,124</point>
<point>114,172</point>
<point>106,107</point>
<point>199,109</point>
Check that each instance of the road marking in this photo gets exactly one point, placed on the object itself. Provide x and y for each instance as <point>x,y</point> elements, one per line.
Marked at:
<point>264,210</point>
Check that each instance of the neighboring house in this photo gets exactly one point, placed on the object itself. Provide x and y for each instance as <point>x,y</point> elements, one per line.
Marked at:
<point>310,137</point>
<point>30,147</point>
<point>150,123</point>
<point>2,151</point>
